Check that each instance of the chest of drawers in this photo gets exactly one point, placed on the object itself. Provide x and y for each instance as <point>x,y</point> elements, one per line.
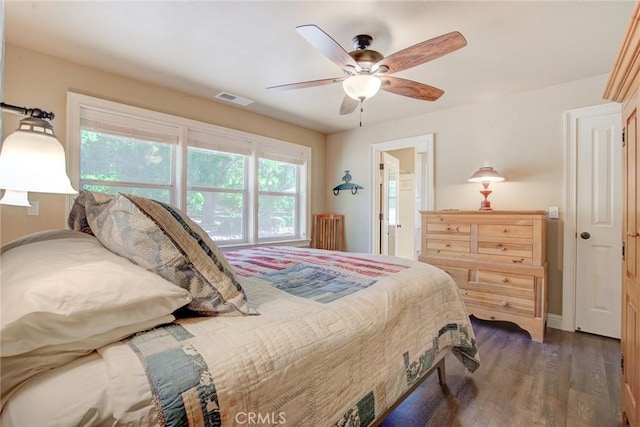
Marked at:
<point>498,260</point>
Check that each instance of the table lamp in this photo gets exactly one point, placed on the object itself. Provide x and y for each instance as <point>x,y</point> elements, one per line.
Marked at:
<point>486,175</point>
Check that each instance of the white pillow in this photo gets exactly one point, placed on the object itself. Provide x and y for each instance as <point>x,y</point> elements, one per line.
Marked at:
<point>16,370</point>
<point>64,287</point>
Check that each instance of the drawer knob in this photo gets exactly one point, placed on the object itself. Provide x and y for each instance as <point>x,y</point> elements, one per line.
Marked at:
<point>505,280</point>
<point>504,303</point>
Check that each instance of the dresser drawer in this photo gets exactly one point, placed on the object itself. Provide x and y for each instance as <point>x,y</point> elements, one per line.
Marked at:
<point>505,230</point>
<point>449,245</point>
<point>506,249</point>
<point>448,228</point>
<point>507,280</point>
<point>498,303</point>
<point>501,284</point>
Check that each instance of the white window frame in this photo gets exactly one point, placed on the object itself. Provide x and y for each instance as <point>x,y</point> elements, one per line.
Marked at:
<point>254,146</point>
<point>285,194</point>
<point>244,191</point>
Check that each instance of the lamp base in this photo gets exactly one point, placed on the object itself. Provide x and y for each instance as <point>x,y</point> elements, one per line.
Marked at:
<point>485,205</point>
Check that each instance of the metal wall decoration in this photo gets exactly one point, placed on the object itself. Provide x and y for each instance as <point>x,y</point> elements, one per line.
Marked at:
<point>347,185</point>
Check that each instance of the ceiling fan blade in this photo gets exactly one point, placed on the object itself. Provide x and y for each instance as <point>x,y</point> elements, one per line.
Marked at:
<point>422,52</point>
<point>327,45</point>
<point>349,105</point>
<point>311,83</point>
<point>410,88</point>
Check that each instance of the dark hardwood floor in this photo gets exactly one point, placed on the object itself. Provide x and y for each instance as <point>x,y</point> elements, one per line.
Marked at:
<point>573,379</point>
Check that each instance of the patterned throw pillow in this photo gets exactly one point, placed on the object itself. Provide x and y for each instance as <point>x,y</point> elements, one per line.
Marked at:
<point>77,219</point>
<point>164,240</point>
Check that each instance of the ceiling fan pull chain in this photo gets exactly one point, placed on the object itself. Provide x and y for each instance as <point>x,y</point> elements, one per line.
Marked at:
<point>361,110</point>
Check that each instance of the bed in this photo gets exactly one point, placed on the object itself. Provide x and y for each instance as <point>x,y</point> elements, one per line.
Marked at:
<point>134,317</point>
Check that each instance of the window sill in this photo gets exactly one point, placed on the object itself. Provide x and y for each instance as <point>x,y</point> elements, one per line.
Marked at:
<point>236,247</point>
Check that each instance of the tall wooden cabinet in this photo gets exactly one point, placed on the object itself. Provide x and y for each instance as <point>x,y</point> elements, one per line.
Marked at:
<point>498,260</point>
<point>623,86</point>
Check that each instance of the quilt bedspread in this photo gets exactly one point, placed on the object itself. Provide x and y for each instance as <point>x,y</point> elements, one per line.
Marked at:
<point>340,337</point>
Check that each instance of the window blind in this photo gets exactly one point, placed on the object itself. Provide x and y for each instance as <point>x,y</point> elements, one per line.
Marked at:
<point>128,127</point>
<point>217,142</point>
<point>282,154</point>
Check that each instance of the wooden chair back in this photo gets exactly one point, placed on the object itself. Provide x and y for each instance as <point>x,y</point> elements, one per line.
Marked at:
<point>328,232</point>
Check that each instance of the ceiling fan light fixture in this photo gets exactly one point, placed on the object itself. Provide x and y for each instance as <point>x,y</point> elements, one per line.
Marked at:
<point>361,86</point>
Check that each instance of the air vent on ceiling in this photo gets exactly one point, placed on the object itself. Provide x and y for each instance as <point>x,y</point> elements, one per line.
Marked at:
<point>226,96</point>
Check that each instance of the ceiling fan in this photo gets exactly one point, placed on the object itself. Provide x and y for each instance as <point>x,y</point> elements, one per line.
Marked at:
<point>366,71</point>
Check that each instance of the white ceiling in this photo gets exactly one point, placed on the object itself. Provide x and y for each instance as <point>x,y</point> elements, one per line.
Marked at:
<point>241,47</point>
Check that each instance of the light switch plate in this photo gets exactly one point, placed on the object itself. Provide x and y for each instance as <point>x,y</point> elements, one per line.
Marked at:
<point>34,209</point>
<point>554,212</point>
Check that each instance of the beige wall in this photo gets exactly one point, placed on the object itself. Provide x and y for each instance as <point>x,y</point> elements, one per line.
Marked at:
<point>407,157</point>
<point>521,135</point>
<point>34,80</point>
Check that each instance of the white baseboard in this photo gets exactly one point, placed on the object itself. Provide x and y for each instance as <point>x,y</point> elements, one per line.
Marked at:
<point>554,321</point>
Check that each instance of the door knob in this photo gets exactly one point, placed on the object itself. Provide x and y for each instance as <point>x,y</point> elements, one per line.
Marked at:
<point>585,235</point>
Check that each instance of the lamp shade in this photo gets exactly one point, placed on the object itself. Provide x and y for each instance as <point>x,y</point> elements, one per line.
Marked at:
<point>32,159</point>
<point>15,198</point>
<point>361,86</point>
<point>486,174</point>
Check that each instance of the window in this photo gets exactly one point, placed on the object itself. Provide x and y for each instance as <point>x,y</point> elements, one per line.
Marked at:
<point>241,188</point>
<point>217,192</point>
<point>112,163</point>
<point>277,199</point>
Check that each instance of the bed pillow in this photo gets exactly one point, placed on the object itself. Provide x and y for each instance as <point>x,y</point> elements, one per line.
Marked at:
<point>77,219</point>
<point>63,286</point>
<point>16,370</point>
<point>164,240</point>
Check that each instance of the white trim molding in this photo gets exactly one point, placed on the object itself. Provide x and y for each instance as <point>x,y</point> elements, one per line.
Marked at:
<point>424,146</point>
<point>555,321</point>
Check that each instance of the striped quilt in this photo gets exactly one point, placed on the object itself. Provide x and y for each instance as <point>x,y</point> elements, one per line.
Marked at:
<point>321,276</point>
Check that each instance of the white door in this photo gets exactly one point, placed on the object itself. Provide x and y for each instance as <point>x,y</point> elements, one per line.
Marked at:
<point>389,203</point>
<point>406,217</point>
<point>599,224</point>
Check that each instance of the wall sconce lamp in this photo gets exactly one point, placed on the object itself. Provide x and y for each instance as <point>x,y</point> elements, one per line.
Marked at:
<point>32,159</point>
<point>486,175</point>
<point>347,185</point>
